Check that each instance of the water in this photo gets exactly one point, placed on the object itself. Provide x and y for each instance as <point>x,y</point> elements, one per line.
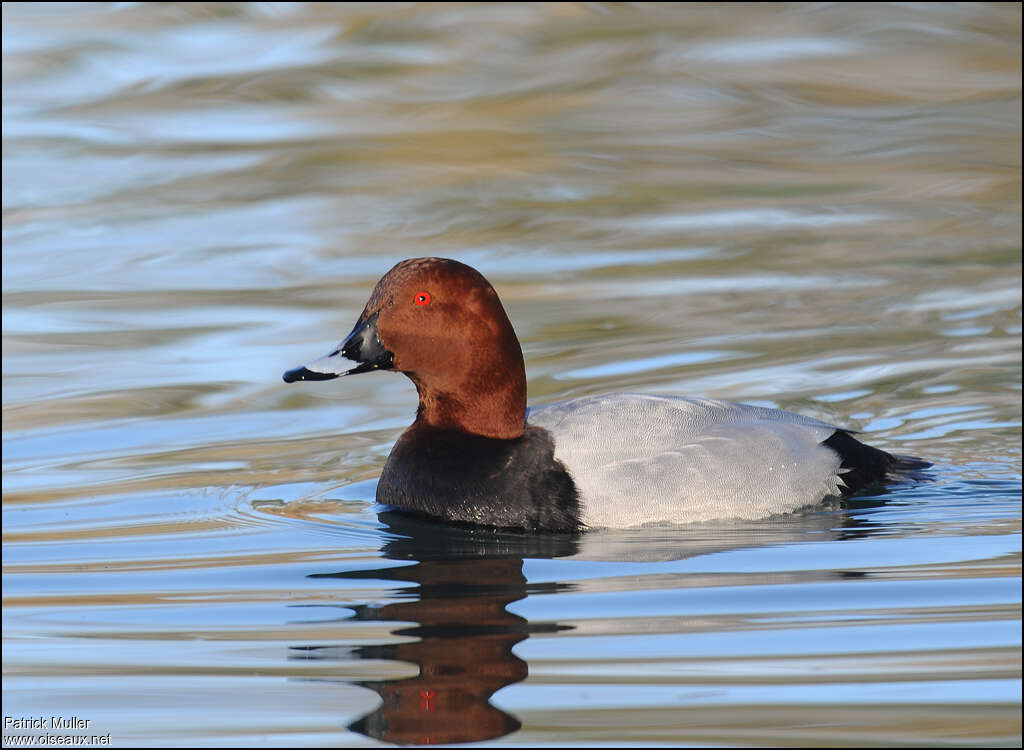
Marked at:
<point>811,207</point>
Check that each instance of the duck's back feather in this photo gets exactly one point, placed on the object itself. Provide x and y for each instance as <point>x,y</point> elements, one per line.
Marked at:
<point>639,459</point>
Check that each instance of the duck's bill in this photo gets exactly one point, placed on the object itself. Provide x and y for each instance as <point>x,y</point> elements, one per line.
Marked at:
<point>326,368</point>
<point>361,346</point>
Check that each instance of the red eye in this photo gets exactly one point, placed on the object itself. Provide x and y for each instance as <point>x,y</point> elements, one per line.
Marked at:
<point>422,299</point>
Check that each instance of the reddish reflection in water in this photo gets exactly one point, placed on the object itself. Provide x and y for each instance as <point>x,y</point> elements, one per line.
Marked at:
<point>458,599</point>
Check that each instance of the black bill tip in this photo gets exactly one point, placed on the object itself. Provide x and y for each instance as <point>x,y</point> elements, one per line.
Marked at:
<point>301,373</point>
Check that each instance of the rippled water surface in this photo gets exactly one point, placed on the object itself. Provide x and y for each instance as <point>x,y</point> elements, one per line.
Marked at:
<point>816,207</point>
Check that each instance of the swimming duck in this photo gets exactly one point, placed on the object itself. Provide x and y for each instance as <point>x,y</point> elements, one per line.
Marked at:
<point>475,454</point>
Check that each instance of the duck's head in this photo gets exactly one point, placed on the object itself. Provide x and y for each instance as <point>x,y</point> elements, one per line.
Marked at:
<point>439,322</point>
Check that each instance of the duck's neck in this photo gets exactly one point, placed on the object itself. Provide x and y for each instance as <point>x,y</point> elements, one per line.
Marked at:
<point>490,401</point>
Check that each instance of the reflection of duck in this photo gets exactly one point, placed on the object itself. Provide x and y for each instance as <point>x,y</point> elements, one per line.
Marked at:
<point>617,460</point>
<point>463,648</point>
<point>460,587</point>
<point>461,581</point>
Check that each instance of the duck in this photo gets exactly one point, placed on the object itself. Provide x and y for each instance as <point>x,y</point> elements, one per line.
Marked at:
<point>475,454</point>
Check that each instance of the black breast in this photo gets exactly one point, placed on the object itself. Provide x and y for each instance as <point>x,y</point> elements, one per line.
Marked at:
<point>471,479</point>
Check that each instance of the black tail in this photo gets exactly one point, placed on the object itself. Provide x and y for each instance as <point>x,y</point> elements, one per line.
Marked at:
<point>864,466</point>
